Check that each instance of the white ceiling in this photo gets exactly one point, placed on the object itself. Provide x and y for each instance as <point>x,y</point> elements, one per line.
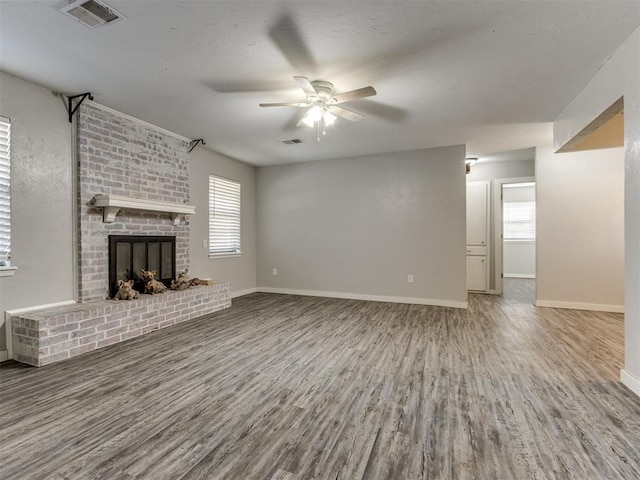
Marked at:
<point>491,74</point>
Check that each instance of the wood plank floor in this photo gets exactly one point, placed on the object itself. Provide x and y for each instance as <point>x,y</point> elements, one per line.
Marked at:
<point>298,388</point>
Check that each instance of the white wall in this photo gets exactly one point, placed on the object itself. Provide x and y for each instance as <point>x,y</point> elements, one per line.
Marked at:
<point>41,198</point>
<point>359,226</point>
<point>619,76</point>
<point>519,256</point>
<point>241,270</point>
<point>580,209</point>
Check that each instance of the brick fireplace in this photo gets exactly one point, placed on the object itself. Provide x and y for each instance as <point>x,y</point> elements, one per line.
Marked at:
<point>119,157</point>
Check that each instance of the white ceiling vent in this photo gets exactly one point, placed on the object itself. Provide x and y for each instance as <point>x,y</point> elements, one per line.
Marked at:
<point>91,13</point>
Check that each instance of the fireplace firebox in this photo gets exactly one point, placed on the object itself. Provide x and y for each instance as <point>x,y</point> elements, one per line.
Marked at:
<point>128,254</point>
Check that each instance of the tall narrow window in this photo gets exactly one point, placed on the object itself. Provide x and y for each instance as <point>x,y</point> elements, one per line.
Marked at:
<point>224,216</point>
<point>5,192</point>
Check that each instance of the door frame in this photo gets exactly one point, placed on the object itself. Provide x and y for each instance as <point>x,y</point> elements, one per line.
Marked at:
<point>497,226</point>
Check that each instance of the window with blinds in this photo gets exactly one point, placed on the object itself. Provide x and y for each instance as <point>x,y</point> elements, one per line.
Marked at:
<point>519,220</point>
<point>224,216</point>
<point>5,191</point>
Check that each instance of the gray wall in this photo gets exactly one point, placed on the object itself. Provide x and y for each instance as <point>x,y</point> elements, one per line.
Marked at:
<point>361,225</point>
<point>580,224</point>
<point>239,270</point>
<point>41,198</point>
<point>489,171</point>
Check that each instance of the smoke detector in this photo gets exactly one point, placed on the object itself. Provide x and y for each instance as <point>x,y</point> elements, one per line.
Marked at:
<point>91,13</point>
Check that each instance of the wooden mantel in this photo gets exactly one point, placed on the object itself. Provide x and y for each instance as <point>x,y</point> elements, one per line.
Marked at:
<point>111,205</point>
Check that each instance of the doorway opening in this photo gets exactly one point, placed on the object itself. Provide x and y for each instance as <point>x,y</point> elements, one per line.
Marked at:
<point>519,240</point>
<point>515,234</point>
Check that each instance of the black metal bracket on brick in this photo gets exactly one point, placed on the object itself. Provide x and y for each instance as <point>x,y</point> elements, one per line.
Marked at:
<point>194,143</point>
<point>71,109</point>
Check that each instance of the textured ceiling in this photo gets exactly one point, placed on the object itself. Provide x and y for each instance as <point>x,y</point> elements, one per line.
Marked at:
<point>488,74</point>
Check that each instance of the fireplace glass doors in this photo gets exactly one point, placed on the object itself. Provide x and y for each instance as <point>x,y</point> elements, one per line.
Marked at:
<point>128,254</point>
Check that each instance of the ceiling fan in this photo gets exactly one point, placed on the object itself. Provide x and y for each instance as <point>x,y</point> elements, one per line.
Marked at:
<point>322,104</point>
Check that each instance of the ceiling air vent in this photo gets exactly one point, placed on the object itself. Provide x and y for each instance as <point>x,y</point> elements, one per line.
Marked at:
<point>91,13</point>
<point>293,141</point>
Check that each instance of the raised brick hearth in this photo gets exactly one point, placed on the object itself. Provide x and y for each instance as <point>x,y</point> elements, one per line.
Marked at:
<point>45,336</point>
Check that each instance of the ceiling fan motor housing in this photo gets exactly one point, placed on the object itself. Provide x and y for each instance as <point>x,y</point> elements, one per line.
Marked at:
<point>323,89</point>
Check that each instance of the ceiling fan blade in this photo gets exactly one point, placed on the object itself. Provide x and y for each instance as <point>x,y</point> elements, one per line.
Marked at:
<point>288,38</point>
<point>305,85</point>
<point>285,104</point>
<point>300,122</point>
<point>346,114</point>
<point>382,110</point>
<point>353,94</point>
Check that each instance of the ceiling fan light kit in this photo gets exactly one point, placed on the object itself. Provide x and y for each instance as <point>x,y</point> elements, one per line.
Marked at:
<point>328,118</point>
<point>322,103</point>
<point>313,115</point>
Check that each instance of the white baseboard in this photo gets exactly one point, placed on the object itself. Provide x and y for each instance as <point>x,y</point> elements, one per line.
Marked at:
<point>4,355</point>
<point>596,307</point>
<point>8,313</point>
<point>519,275</point>
<point>240,293</point>
<point>360,296</point>
<point>631,382</point>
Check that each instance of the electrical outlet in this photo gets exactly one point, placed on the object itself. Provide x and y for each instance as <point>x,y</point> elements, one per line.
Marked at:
<point>274,272</point>
<point>410,278</point>
<point>204,244</point>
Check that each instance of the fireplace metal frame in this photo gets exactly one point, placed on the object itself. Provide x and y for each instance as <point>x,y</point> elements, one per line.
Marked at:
<point>114,240</point>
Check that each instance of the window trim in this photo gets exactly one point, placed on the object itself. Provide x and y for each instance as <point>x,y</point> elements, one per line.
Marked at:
<point>7,271</point>
<point>226,255</point>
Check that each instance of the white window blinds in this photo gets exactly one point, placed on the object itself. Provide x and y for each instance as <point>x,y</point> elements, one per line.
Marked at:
<point>519,220</point>
<point>224,216</point>
<point>5,191</point>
